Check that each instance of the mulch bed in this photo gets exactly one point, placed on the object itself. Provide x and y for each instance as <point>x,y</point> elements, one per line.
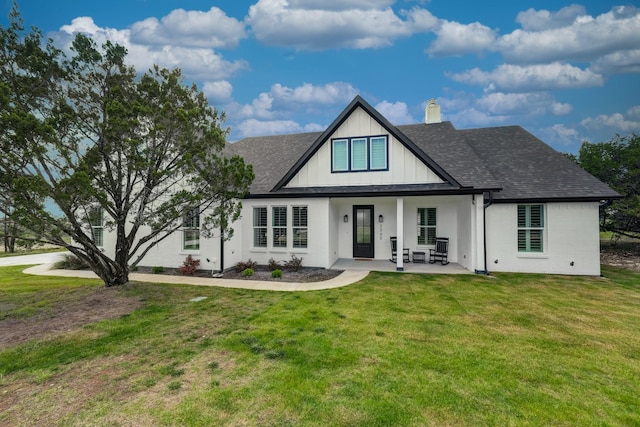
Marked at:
<point>303,275</point>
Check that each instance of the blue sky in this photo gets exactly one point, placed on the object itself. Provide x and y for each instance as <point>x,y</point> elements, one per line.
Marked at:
<point>567,72</point>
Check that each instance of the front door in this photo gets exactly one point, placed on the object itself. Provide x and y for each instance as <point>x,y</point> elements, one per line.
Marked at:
<point>363,231</point>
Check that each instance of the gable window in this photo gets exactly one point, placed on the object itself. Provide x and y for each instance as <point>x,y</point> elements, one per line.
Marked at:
<point>360,154</point>
<point>530,228</point>
<point>279,223</point>
<point>96,221</point>
<point>340,155</point>
<point>299,226</point>
<point>191,230</point>
<point>359,158</point>
<point>378,153</point>
<point>426,226</point>
<point>260,227</point>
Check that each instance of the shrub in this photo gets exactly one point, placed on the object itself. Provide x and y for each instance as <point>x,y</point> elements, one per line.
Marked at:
<point>157,269</point>
<point>71,262</point>
<point>274,265</point>
<point>247,272</point>
<point>276,273</point>
<point>243,265</point>
<point>294,263</point>
<point>189,266</point>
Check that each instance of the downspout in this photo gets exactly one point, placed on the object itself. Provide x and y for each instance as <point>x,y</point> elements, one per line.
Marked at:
<point>484,232</point>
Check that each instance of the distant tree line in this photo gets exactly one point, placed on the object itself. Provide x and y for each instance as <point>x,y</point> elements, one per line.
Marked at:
<point>617,163</point>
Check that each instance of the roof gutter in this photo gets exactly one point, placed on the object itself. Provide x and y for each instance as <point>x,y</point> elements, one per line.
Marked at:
<point>484,233</point>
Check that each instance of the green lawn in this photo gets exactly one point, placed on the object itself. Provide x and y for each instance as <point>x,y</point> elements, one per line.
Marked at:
<point>392,350</point>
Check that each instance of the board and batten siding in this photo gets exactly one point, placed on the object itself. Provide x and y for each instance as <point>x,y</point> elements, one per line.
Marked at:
<point>404,167</point>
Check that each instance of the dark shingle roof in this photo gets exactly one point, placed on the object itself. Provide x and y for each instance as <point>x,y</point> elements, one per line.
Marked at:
<point>448,148</point>
<point>272,156</point>
<point>529,169</point>
<point>509,160</point>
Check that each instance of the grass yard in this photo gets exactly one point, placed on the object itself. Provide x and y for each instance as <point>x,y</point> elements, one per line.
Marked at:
<point>392,350</point>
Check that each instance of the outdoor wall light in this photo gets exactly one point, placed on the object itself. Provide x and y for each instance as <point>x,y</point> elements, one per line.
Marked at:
<point>346,218</point>
<point>380,218</point>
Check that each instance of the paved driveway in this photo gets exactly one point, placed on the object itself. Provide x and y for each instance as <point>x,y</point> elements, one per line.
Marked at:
<point>49,258</point>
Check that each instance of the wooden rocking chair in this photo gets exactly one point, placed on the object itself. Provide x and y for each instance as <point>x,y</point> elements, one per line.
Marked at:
<point>394,251</point>
<point>440,252</point>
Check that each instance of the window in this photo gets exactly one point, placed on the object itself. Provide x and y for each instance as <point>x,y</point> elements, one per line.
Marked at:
<point>279,223</point>
<point>359,154</point>
<point>530,228</point>
<point>299,227</point>
<point>426,226</point>
<point>378,153</point>
<point>96,221</point>
<point>340,155</point>
<point>191,230</point>
<point>260,227</point>
<point>359,160</point>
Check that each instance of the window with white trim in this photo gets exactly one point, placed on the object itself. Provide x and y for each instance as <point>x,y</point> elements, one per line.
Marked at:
<point>427,226</point>
<point>191,230</point>
<point>299,229</point>
<point>279,224</point>
<point>96,221</point>
<point>530,228</point>
<point>260,227</point>
<point>367,153</point>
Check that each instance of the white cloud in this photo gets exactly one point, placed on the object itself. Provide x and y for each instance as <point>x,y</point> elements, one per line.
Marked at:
<point>316,25</point>
<point>282,101</point>
<point>454,39</point>
<point>528,104</point>
<point>516,78</point>
<point>473,117</point>
<point>539,20</point>
<point>397,113</point>
<point>253,127</point>
<point>218,91</point>
<point>195,63</point>
<point>625,61</point>
<point>586,38</point>
<point>339,4</point>
<point>559,134</point>
<point>212,29</point>
<point>330,93</point>
<point>616,122</point>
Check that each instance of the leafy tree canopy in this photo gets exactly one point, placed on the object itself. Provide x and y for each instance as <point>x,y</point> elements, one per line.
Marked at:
<point>617,163</point>
<point>85,133</point>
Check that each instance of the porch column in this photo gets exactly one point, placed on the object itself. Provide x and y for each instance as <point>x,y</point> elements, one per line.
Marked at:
<point>400,233</point>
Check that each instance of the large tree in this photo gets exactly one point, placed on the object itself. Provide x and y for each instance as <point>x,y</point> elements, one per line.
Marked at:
<point>617,163</point>
<point>84,135</point>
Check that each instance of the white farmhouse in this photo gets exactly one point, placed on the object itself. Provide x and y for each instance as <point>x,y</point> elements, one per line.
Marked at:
<point>505,200</point>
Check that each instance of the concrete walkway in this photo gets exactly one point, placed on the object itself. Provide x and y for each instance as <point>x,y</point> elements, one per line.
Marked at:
<point>347,277</point>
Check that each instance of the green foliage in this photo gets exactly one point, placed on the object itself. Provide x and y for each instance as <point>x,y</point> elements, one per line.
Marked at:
<point>85,130</point>
<point>276,273</point>
<point>189,266</point>
<point>157,269</point>
<point>247,272</point>
<point>617,163</point>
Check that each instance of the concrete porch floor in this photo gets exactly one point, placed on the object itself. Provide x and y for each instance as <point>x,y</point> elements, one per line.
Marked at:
<point>386,265</point>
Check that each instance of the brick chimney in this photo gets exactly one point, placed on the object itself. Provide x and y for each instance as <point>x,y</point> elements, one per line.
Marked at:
<point>432,112</point>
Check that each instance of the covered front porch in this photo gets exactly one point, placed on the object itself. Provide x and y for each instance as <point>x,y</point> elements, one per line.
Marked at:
<point>386,265</point>
<point>364,230</point>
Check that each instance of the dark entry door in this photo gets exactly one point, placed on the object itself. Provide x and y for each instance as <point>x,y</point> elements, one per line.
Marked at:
<point>363,231</point>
